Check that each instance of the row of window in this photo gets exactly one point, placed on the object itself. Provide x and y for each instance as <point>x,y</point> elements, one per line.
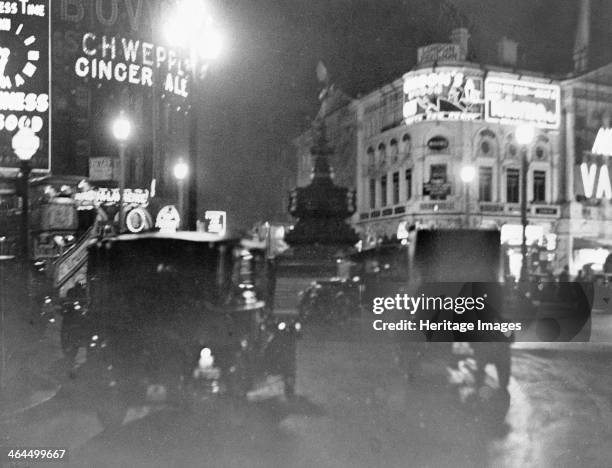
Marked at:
<point>488,147</point>
<point>438,173</point>
<point>395,189</point>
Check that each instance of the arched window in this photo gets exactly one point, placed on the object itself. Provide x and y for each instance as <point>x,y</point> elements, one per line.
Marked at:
<point>382,153</point>
<point>393,149</point>
<point>406,144</point>
<point>371,156</point>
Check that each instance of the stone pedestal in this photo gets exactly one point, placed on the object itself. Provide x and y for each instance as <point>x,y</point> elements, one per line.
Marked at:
<point>321,235</point>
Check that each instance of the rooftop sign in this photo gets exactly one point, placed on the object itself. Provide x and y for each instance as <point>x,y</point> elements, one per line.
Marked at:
<point>520,101</point>
<point>444,94</point>
<point>435,53</point>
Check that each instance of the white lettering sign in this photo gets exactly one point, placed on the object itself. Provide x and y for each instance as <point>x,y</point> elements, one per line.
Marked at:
<point>124,60</point>
<point>105,196</point>
<point>520,101</point>
<point>603,142</point>
<point>24,76</point>
<point>168,219</point>
<point>589,174</point>
<point>448,94</point>
<point>215,222</point>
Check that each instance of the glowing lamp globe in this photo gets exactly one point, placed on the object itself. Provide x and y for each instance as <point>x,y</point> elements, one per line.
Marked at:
<point>25,144</point>
<point>122,128</point>
<point>181,170</point>
<point>525,134</point>
<point>468,174</point>
<point>211,45</point>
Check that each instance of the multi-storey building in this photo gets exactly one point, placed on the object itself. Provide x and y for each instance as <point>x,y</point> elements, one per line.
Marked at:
<point>415,136</point>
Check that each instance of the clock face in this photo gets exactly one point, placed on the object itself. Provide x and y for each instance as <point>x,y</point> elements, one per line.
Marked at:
<point>24,79</point>
<point>19,56</point>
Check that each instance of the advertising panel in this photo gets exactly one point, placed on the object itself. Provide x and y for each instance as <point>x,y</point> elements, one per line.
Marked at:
<point>24,78</point>
<point>443,94</point>
<point>522,102</point>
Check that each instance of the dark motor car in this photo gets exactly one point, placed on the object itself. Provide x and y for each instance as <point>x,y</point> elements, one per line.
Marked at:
<point>454,263</point>
<point>182,317</point>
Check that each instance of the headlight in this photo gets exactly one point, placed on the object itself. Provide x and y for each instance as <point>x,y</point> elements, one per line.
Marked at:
<point>206,358</point>
<point>205,368</point>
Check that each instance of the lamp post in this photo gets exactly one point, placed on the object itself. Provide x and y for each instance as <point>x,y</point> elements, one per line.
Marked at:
<point>122,128</point>
<point>524,137</point>
<point>25,145</point>
<point>468,174</point>
<point>181,171</point>
<point>190,27</point>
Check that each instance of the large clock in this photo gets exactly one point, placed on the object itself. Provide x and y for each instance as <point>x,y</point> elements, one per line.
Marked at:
<point>19,55</point>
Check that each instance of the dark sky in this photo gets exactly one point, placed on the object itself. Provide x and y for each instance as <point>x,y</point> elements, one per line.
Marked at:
<point>263,93</point>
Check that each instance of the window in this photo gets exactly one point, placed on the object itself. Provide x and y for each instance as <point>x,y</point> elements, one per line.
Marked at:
<point>512,185</point>
<point>539,186</point>
<point>395,188</point>
<point>372,193</point>
<point>371,157</point>
<point>485,184</point>
<point>382,153</point>
<point>438,173</point>
<point>383,190</point>
<point>406,143</point>
<point>438,188</point>
<point>393,150</point>
<point>408,177</point>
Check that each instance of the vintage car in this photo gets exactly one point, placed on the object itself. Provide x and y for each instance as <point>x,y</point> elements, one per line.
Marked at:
<point>181,317</point>
<point>455,265</point>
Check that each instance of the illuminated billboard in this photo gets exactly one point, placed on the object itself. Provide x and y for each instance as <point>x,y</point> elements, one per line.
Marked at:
<point>522,102</point>
<point>24,78</point>
<point>443,94</point>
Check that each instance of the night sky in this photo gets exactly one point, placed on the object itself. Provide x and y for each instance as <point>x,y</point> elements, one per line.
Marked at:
<point>263,93</point>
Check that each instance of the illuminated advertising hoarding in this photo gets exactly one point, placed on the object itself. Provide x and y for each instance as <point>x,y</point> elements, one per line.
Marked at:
<point>131,61</point>
<point>24,78</point>
<point>522,102</point>
<point>443,94</point>
<point>592,180</point>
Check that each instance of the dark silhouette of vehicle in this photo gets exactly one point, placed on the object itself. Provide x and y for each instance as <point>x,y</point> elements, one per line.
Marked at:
<point>181,318</point>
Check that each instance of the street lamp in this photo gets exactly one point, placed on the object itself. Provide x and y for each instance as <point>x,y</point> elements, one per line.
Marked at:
<point>181,171</point>
<point>525,134</point>
<point>468,174</point>
<point>122,129</point>
<point>192,28</point>
<point>25,145</point>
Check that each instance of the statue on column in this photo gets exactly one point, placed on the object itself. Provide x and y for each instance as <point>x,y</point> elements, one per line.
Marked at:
<point>322,207</point>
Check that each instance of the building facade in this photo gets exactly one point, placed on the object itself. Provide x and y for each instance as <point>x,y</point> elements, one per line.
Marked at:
<point>415,136</point>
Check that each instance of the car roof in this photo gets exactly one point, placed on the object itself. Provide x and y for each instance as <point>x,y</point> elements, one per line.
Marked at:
<point>190,236</point>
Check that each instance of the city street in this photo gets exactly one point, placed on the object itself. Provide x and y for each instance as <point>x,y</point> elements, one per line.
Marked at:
<point>354,410</point>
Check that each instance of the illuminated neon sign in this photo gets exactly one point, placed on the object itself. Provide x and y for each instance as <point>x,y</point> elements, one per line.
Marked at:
<point>595,183</point>
<point>448,94</point>
<point>24,76</point>
<point>106,196</point>
<point>125,60</point>
<point>168,219</point>
<point>603,142</point>
<point>518,102</point>
<point>215,222</point>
